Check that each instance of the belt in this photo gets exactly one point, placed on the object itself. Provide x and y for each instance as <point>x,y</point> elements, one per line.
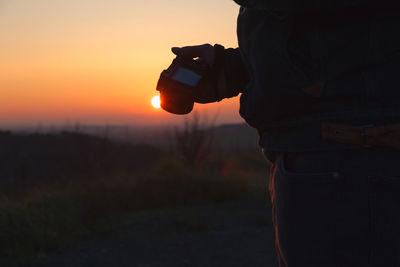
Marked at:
<point>365,135</point>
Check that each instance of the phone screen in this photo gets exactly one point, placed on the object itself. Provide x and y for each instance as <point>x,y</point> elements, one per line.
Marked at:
<point>186,76</point>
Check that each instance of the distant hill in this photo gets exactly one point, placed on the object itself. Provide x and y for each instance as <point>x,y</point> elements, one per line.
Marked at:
<point>30,159</point>
<point>229,136</point>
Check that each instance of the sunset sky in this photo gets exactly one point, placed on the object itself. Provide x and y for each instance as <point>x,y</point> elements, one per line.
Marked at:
<point>98,61</point>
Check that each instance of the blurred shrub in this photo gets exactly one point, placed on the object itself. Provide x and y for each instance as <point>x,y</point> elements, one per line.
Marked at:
<point>174,183</point>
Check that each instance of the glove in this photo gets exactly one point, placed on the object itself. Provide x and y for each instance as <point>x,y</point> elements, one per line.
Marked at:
<point>213,84</point>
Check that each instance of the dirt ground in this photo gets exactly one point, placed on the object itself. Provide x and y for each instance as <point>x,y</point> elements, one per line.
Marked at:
<point>227,234</point>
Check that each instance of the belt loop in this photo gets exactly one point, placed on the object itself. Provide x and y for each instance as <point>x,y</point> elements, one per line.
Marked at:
<point>363,134</point>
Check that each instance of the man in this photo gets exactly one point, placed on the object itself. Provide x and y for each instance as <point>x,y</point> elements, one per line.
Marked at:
<point>319,81</point>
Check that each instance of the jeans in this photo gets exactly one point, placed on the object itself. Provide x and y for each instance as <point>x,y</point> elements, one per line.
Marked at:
<point>336,208</point>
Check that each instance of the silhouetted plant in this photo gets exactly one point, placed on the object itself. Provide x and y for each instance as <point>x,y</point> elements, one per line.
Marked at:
<point>194,141</point>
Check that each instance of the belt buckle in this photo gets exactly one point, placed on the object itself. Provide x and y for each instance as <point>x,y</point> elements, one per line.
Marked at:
<point>363,134</point>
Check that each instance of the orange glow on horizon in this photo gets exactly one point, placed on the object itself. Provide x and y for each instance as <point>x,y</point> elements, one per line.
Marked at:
<point>100,60</point>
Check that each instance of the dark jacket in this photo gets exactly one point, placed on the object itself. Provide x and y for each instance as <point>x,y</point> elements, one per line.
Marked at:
<point>310,63</point>
<point>314,5</point>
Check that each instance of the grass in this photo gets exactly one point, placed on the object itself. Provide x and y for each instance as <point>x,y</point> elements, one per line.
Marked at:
<point>54,217</point>
<point>32,228</point>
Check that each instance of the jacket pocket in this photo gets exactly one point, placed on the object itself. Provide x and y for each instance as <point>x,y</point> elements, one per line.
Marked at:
<point>306,167</point>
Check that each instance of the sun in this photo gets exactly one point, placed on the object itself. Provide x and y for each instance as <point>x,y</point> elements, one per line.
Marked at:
<point>156,102</point>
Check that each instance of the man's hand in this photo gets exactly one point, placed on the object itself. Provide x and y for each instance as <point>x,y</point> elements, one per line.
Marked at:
<point>205,53</point>
<point>214,80</point>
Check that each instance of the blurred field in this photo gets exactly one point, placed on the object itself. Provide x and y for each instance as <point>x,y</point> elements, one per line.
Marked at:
<point>60,188</point>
